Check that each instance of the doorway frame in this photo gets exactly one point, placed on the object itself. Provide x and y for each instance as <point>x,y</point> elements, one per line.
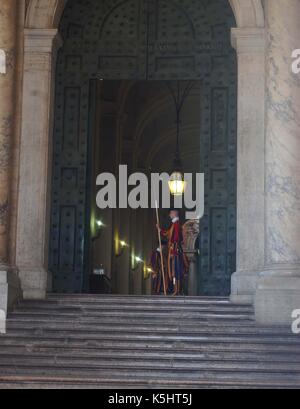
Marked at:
<point>41,43</point>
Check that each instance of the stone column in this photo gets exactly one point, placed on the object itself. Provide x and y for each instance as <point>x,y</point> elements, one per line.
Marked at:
<point>193,274</point>
<point>250,46</point>
<point>278,291</point>
<point>8,37</point>
<point>191,231</point>
<point>35,157</point>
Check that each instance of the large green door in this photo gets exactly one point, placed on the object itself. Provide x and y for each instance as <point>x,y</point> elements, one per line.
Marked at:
<point>138,40</point>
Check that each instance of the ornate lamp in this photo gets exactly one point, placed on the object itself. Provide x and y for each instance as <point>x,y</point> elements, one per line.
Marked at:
<point>177,184</point>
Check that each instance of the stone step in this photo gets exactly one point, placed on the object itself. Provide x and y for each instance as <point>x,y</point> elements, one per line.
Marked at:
<point>116,383</point>
<point>147,339</point>
<point>137,331</point>
<point>131,314</point>
<point>121,326</point>
<point>177,374</point>
<point>146,321</point>
<point>167,355</point>
<point>142,302</point>
<point>128,308</point>
<point>80,365</point>
<point>142,325</point>
<point>90,345</point>
<point>92,298</point>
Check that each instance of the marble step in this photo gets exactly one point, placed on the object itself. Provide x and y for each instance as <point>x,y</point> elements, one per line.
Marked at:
<point>142,303</point>
<point>155,310</point>
<point>151,321</point>
<point>147,339</point>
<point>153,307</point>
<point>132,326</point>
<point>78,298</point>
<point>164,355</point>
<point>173,374</point>
<point>86,365</point>
<point>132,314</point>
<point>93,345</point>
<point>149,332</point>
<point>117,382</point>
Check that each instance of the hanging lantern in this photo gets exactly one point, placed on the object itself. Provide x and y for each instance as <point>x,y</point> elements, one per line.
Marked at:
<point>177,184</point>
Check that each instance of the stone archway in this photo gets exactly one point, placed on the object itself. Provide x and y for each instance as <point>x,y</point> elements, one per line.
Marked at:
<point>45,14</point>
<point>41,43</point>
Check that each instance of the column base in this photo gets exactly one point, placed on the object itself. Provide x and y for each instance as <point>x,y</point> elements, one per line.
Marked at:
<point>10,292</point>
<point>3,299</point>
<point>277,296</point>
<point>193,279</point>
<point>33,283</point>
<point>14,288</point>
<point>243,287</point>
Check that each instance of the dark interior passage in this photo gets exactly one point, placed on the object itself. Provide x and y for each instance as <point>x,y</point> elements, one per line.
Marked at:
<point>136,126</point>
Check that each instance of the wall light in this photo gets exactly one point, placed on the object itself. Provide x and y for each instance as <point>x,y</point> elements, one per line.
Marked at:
<point>147,272</point>
<point>100,223</point>
<point>123,245</point>
<point>138,262</point>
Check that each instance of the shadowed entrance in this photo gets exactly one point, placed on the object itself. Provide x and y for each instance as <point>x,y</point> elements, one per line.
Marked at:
<point>144,40</point>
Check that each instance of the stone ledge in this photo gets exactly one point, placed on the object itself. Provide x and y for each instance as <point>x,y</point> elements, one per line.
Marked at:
<point>277,296</point>
<point>243,287</point>
<point>33,283</point>
<point>2,322</point>
<point>3,300</point>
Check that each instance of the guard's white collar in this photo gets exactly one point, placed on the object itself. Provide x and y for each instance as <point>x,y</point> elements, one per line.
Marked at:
<point>175,220</point>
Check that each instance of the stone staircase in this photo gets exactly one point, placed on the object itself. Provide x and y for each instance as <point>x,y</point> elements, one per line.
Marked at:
<point>85,341</point>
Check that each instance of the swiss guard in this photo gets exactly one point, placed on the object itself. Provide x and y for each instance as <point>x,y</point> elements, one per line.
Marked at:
<point>158,270</point>
<point>177,263</point>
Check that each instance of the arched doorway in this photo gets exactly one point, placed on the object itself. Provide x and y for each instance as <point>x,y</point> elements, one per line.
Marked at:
<point>144,40</point>
<point>42,40</point>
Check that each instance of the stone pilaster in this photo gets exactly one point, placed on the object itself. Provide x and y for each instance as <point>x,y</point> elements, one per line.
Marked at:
<point>8,15</point>
<point>250,46</point>
<point>191,230</point>
<point>278,291</point>
<point>38,84</point>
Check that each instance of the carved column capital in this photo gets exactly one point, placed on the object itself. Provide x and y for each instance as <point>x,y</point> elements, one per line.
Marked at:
<point>191,231</point>
<point>248,40</point>
<point>41,48</point>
